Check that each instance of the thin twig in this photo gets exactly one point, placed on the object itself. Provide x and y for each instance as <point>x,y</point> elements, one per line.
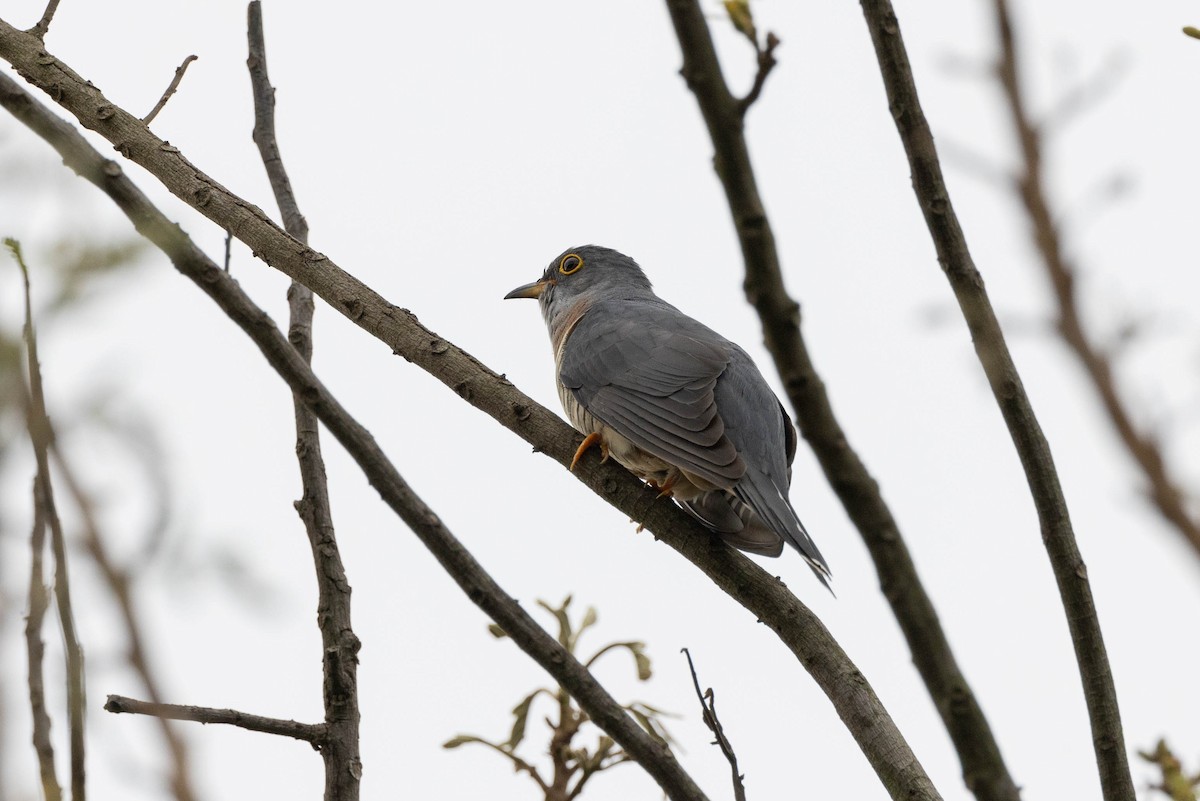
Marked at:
<point>1057,534</point>
<point>761,594</point>
<point>983,767</point>
<point>308,732</point>
<point>228,248</point>
<point>43,25</point>
<point>708,702</point>
<point>343,763</point>
<point>41,436</point>
<point>766,63</point>
<point>475,582</point>
<point>162,101</point>
<point>1164,489</point>
<point>36,650</point>
<point>118,582</point>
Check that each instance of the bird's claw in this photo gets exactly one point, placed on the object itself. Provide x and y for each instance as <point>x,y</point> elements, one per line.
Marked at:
<point>586,445</point>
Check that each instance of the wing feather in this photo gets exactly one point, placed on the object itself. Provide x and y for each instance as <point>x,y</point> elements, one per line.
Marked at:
<point>651,374</point>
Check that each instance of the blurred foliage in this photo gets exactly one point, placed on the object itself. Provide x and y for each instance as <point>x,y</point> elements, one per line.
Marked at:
<point>1175,784</point>
<point>573,764</point>
<point>742,18</point>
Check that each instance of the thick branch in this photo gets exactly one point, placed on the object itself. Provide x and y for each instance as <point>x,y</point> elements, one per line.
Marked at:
<point>748,584</point>
<point>1164,490</point>
<point>308,732</point>
<point>343,764</point>
<point>983,767</point>
<point>483,591</point>
<point>1032,448</point>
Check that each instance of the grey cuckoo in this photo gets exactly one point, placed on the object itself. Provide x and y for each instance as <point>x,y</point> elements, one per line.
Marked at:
<point>673,401</point>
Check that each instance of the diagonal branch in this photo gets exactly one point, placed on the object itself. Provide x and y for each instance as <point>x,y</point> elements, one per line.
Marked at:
<point>763,595</point>
<point>1164,489</point>
<point>1057,534</point>
<point>983,767</point>
<point>171,87</point>
<point>475,582</point>
<point>343,763</point>
<point>708,702</point>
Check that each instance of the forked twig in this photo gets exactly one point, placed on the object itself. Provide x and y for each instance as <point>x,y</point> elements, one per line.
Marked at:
<point>708,702</point>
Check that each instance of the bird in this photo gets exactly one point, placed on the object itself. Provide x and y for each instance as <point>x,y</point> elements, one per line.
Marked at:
<point>671,400</point>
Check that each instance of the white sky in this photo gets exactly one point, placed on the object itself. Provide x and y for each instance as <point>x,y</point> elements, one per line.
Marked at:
<point>443,153</point>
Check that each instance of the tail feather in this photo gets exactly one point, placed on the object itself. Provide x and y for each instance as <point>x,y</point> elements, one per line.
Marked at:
<point>773,506</point>
<point>757,517</point>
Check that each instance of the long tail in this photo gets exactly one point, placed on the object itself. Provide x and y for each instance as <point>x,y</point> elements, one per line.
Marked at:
<point>773,506</point>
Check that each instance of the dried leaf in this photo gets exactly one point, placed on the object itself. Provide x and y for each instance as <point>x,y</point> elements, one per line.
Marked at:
<point>643,661</point>
<point>462,739</point>
<point>742,18</point>
<point>520,719</point>
<point>564,623</point>
<point>496,631</point>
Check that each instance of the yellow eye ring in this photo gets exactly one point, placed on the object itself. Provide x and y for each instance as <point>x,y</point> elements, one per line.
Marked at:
<point>571,263</point>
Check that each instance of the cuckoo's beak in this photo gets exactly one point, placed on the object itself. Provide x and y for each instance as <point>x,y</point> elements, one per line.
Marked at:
<point>533,290</point>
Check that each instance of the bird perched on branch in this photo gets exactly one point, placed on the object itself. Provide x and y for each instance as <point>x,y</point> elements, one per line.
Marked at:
<point>673,401</point>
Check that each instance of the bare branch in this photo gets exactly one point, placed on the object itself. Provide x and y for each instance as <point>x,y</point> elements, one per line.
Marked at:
<point>983,767</point>
<point>343,763</point>
<point>1164,489</point>
<point>1032,448</point>
<point>162,101</point>
<point>475,582</point>
<point>766,63</point>
<point>119,585</point>
<point>708,702</point>
<point>36,650</point>
<point>41,435</point>
<point>39,601</point>
<point>763,595</point>
<point>264,127</point>
<point>308,732</point>
<point>43,25</point>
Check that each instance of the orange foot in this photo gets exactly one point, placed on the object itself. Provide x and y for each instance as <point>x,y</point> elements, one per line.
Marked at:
<point>668,485</point>
<point>588,442</point>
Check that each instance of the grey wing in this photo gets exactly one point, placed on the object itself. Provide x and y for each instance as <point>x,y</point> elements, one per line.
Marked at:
<point>760,430</point>
<point>650,372</point>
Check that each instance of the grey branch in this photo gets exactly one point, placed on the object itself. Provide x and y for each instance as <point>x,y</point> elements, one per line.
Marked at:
<point>1164,488</point>
<point>475,582</point>
<point>343,763</point>
<point>308,732</point>
<point>1034,452</point>
<point>171,88</point>
<point>983,767</point>
<point>708,702</point>
<point>43,25</point>
<point>764,596</point>
<point>36,651</point>
<point>41,436</point>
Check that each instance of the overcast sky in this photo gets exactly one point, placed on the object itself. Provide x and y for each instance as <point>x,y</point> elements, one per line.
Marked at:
<point>444,153</point>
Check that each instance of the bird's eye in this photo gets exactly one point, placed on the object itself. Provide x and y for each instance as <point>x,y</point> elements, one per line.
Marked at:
<point>570,264</point>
